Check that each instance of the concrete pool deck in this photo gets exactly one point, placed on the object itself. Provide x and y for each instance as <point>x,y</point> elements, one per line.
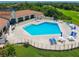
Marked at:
<point>42,41</point>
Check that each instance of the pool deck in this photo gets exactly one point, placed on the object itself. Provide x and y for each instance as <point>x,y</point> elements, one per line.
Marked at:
<point>41,41</point>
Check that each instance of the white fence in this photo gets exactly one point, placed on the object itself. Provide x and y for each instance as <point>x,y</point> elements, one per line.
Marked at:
<point>63,46</point>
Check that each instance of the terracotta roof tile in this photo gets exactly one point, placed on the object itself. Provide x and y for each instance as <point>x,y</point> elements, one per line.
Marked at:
<point>27,12</point>
<point>5,14</point>
<point>23,13</point>
<point>3,22</point>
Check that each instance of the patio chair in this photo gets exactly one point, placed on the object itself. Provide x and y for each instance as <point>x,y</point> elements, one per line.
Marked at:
<point>72,36</point>
<point>52,41</point>
<point>72,26</point>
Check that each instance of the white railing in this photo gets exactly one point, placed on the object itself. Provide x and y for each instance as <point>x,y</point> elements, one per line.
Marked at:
<point>65,46</point>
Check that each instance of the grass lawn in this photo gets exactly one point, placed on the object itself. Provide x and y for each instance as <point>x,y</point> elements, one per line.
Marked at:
<point>30,51</point>
<point>73,14</point>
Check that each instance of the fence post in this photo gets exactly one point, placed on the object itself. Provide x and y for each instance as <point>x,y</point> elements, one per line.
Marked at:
<point>55,47</point>
<point>31,42</point>
<point>49,47</point>
<point>38,44</point>
<point>71,46</point>
<point>46,46</point>
<point>64,47</point>
<point>59,47</point>
<point>75,44</point>
<point>28,40</point>
<point>34,43</point>
<point>68,46</point>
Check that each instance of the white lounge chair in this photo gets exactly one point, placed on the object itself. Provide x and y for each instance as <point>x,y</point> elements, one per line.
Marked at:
<point>71,38</point>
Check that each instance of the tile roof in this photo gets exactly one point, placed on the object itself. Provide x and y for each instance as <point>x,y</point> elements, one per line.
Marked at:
<point>3,22</point>
<point>5,14</point>
<point>23,13</point>
<point>27,12</point>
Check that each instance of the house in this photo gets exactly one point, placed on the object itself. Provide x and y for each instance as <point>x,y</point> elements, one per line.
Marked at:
<point>4,26</point>
<point>11,17</point>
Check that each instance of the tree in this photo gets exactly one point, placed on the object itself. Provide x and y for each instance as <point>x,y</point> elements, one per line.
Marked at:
<point>7,51</point>
<point>10,50</point>
<point>3,52</point>
<point>48,10</point>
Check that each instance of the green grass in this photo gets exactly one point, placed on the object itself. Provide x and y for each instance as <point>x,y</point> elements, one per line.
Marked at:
<point>73,14</point>
<point>30,51</point>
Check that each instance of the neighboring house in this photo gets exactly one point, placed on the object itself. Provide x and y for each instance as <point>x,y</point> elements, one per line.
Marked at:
<point>12,17</point>
<point>4,26</point>
<point>18,16</point>
<point>26,14</point>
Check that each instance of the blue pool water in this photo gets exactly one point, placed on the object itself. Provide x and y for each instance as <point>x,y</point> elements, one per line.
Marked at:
<point>43,29</point>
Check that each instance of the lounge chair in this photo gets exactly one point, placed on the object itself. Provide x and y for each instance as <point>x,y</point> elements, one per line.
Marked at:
<point>72,26</point>
<point>52,41</point>
<point>72,36</point>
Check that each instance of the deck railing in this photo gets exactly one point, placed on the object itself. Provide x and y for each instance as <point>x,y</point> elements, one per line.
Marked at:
<point>62,46</point>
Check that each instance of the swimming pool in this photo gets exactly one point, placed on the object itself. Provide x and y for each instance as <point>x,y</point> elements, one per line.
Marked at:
<point>45,28</point>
